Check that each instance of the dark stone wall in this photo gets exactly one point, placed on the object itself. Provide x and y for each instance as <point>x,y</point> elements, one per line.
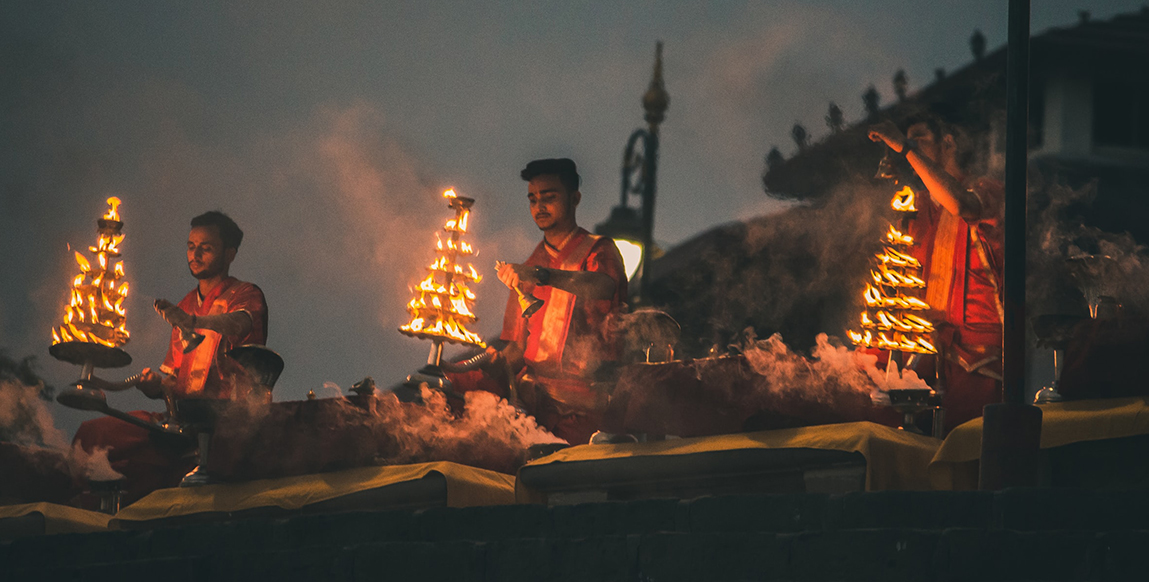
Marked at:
<point>1038,534</point>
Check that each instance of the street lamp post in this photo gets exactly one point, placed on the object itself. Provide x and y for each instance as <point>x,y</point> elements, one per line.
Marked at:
<point>639,171</point>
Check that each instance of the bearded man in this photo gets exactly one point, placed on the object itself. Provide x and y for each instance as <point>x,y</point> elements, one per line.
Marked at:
<point>228,313</point>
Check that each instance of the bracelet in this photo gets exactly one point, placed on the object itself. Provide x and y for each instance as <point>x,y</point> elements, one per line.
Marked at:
<point>908,145</point>
<point>543,275</point>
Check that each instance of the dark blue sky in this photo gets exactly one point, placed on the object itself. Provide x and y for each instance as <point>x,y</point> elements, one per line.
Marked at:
<point>328,129</point>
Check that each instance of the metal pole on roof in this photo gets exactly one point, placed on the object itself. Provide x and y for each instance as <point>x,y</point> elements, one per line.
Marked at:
<point>1016,158</point>
<point>1011,430</point>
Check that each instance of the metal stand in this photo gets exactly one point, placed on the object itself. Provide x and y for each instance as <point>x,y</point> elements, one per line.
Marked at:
<point>432,374</point>
<point>199,416</point>
<point>83,395</point>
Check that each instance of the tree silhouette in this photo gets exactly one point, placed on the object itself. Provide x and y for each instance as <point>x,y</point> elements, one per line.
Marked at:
<point>977,45</point>
<point>900,84</point>
<point>871,99</point>
<point>834,118</point>
<point>800,137</point>
<point>774,158</point>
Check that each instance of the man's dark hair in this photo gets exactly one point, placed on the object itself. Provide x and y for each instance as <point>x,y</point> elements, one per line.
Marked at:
<point>564,168</point>
<point>229,231</point>
<point>943,119</point>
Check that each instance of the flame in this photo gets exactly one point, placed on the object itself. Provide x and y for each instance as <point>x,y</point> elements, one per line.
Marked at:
<point>895,236</point>
<point>895,279</point>
<point>441,309</point>
<point>904,200</point>
<point>95,312</point>
<point>112,213</point>
<point>898,259</point>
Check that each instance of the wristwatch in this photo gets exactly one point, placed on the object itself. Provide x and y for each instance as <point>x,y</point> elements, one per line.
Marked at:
<point>543,275</point>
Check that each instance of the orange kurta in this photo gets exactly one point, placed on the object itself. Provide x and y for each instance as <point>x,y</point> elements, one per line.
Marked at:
<point>149,464</point>
<point>198,373</point>
<point>963,263</point>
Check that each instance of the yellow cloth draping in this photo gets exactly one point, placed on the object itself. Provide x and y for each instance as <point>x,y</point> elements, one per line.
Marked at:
<point>955,466</point>
<point>59,518</point>
<point>466,486</point>
<point>895,459</point>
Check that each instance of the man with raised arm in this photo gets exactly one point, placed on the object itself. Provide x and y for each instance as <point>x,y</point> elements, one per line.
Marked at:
<point>959,229</point>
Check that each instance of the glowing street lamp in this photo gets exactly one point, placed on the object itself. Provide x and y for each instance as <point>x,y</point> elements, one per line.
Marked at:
<point>625,227</point>
<point>633,232</point>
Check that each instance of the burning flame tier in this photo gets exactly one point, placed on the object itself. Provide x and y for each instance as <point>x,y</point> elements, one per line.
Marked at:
<point>441,308</point>
<point>96,313</point>
<point>891,297</point>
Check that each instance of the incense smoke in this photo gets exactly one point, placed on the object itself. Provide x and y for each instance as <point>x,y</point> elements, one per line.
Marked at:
<point>800,272</point>
<point>490,433</point>
<point>24,417</point>
<point>93,466</point>
<point>1058,234</point>
<point>832,368</point>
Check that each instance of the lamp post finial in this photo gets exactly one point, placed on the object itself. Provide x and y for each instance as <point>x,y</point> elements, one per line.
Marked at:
<point>656,99</point>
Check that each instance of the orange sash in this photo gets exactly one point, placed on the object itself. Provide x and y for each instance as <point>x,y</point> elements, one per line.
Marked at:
<point>547,342</point>
<point>196,367</point>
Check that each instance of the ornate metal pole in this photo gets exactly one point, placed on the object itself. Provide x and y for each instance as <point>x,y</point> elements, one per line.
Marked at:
<point>640,165</point>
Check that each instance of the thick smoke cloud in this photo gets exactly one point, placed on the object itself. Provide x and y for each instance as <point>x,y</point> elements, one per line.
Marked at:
<point>488,433</point>
<point>1070,261</point>
<point>800,272</point>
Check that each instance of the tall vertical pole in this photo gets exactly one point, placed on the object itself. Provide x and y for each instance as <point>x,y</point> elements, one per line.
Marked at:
<point>1011,430</point>
<point>1016,155</point>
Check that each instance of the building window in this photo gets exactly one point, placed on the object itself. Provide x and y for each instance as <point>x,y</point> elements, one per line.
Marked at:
<point>1121,114</point>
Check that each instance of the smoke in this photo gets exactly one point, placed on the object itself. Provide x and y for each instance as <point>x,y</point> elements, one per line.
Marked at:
<point>1070,262</point>
<point>800,272</point>
<point>25,418</point>
<point>93,466</point>
<point>488,433</point>
<point>831,370</point>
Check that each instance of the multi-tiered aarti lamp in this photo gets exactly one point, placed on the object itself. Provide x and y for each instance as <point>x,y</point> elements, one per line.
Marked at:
<point>441,308</point>
<point>94,327</point>
<point>893,318</point>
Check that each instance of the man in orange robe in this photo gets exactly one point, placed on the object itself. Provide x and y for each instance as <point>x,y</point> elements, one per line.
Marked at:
<point>228,313</point>
<point>958,235</point>
<point>558,350</point>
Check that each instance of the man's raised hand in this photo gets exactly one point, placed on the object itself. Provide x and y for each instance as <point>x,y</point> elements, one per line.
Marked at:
<point>889,133</point>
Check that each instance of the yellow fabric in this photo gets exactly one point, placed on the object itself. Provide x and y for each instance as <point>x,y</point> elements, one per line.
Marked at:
<point>955,465</point>
<point>895,459</point>
<point>59,518</point>
<point>466,486</point>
